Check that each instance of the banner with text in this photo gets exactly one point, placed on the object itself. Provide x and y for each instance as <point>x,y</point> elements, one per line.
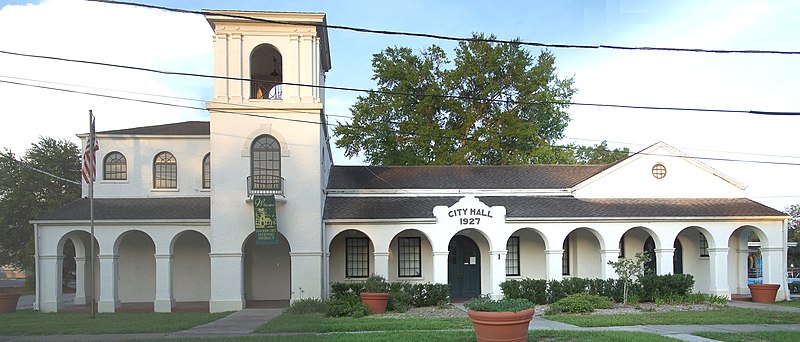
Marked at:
<point>265,220</point>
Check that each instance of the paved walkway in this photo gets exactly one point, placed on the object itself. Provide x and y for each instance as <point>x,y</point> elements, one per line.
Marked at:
<point>244,322</point>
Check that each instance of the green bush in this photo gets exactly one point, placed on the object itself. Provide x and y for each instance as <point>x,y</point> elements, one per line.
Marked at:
<point>343,290</point>
<point>579,303</point>
<point>653,286</point>
<point>534,290</point>
<point>399,300</point>
<point>376,284</point>
<point>555,291</point>
<point>501,305</point>
<point>307,306</point>
<point>347,306</point>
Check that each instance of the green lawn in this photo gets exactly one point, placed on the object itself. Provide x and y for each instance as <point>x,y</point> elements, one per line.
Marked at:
<point>772,336</point>
<point>27,322</point>
<point>789,303</point>
<point>436,336</point>
<point>290,323</point>
<point>719,316</point>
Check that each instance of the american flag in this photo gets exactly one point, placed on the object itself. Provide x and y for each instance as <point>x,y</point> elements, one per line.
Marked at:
<point>89,159</point>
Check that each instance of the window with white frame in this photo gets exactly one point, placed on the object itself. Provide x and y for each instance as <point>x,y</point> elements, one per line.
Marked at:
<point>409,257</point>
<point>357,257</point>
<point>165,171</point>
<point>703,245</point>
<point>512,256</point>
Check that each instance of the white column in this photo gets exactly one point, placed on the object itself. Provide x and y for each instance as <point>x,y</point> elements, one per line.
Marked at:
<point>718,272</point>
<point>236,59</point>
<point>49,274</point>
<point>440,267</point>
<point>306,274</point>
<point>664,260</point>
<point>606,270</point>
<point>164,298</point>
<point>553,264</point>
<point>775,268</point>
<point>382,264</point>
<point>221,93</point>
<point>109,298</point>
<point>497,266</point>
<point>227,281</point>
<point>291,69</point>
<point>80,280</point>
<point>741,271</point>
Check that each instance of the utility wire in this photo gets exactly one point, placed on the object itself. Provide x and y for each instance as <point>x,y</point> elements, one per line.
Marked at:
<point>364,128</point>
<point>384,92</point>
<point>334,115</point>
<point>452,38</point>
<point>28,166</point>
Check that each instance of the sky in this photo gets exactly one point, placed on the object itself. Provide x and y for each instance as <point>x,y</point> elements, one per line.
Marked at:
<point>765,147</point>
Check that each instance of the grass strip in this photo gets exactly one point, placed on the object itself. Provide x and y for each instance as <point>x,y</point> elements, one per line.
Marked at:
<point>27,322</point>
<point>718,316</point>
<point>318,323</point>
<point>772,336</point>
<point>446,336</point>
<point>789,303</point>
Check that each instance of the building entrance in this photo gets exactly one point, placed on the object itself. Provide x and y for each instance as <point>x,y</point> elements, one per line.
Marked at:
<point>463,268</point>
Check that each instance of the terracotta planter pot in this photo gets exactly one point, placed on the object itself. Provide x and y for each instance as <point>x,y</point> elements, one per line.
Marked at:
<point>763,293</point>
<point>376,302</point>
<point>501,326</point>
<point>8,302</point>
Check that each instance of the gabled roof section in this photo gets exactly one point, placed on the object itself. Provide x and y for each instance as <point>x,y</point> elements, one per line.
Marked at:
<point>170,208</point>
<point>673,152</point>
<point>549,208</point>
<point>461,177</point>
<point>187,128</point>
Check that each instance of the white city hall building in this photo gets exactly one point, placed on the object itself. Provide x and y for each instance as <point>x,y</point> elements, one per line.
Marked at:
<point>174,216</point>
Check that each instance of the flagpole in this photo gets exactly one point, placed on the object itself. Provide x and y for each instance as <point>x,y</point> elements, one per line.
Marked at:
<point>91,210</point>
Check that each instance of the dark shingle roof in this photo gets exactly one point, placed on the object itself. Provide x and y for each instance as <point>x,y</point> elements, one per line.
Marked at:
<point>172,208</point>
<point>180,128</point>
<point>461,177</point>
<point>548,207</point>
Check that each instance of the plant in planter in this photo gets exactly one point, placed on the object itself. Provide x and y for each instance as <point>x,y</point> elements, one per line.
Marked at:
<point>763,293</point>
<point>9,297</point>
<point>375,293</point>
<point>500,320</point>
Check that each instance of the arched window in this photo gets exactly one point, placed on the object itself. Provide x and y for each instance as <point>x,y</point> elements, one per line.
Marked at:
<point>266,73</point>
<point>677,258</point>
<point>115,167</point>
<point>650,249</point>
<point>207,171</point>
<point>565,257</point>
<point>165,171</point>
<point>265,166</point>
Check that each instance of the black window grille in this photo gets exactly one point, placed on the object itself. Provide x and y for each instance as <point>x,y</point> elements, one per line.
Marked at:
<point>357,258</point>
<point>409,257</point>
<point>115,167</point>
<point>512,256</point>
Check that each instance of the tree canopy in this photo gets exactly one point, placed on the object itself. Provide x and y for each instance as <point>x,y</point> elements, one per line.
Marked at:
<point>26,194</point>
<point>491,104</point>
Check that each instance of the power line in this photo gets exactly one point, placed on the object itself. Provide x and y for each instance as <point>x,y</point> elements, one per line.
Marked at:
<point>28,166</point>
<point>384,92</point>
<point>364,128</point>
<point>458,39</point>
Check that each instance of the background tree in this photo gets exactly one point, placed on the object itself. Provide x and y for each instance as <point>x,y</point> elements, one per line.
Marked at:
<point>491,104</point>
<point>793,257</point>
<point>26,194</point>
<point>598,154</point>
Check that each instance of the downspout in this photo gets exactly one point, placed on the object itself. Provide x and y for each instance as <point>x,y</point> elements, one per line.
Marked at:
<point>36,265</point>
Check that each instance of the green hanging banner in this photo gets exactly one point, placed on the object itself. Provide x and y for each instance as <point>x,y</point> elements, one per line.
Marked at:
<point>265,220</point>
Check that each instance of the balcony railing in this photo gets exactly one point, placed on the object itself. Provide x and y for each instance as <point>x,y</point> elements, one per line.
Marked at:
<point>264,185</point>
<point>261,90</point>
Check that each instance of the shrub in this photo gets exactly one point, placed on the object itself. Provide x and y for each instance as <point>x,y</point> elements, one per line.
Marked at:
<point>718,300</point>
<point>654,285</point>
<point>579,303</point>
<point>399,300</point>
<point>555,291</point>
<point>307,306</point>
<point>375,284</point>
<point>534,290</point>
<point>340,290</point>
<point>422,294</point>
<point>347,307</point>
<point>501,305</point>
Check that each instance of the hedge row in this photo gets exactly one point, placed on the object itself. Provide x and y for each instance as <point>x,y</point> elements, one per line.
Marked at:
<point>400,293</point>
<point>646,289</point>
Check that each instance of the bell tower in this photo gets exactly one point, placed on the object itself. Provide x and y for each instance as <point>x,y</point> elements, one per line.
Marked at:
<point>268,138</point>
<point>273,56</point>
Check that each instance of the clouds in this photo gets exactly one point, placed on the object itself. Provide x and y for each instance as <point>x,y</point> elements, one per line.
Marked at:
<point>103,33</point>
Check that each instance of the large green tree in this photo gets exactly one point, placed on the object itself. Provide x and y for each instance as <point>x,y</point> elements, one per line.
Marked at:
<point>794,234</point>
<point>26,193</point>
<point>491,104</point>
